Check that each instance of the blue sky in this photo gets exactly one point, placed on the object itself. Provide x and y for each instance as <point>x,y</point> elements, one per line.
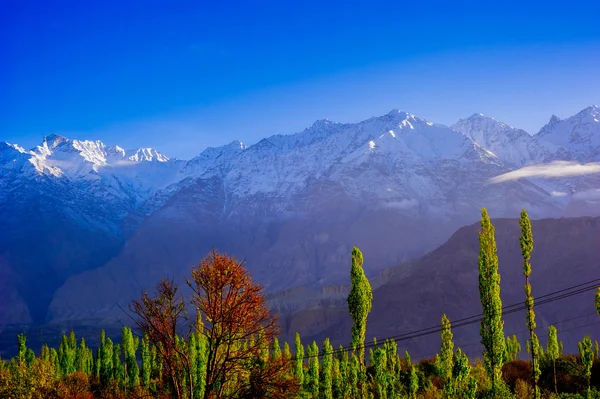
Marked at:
<point>183,75</point>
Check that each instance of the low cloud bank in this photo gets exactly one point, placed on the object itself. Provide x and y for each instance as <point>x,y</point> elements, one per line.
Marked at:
<point>553,169</point>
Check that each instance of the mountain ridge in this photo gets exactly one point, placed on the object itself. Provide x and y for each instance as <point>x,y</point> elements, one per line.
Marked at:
<point>292,204</point>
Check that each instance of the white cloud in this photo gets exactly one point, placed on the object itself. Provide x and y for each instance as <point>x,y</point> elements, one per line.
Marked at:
<point>588,195</point>
<point>558,194</point>
<point>553,169</point>
<point>402,204</point>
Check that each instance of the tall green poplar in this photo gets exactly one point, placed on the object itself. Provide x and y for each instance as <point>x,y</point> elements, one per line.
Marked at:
<point>413,378</point>
<point>447,351</point>
<point>492,334</point>
<point>360,301</point>
<point>130,346</point>
<point>552,351</point>
<point>146,362</point>
<point>526,241</point>
<point>299,360</point>
<point>587,359</point>
<point>447,356</point>
<point>326,382</point>
<point>311,382</point>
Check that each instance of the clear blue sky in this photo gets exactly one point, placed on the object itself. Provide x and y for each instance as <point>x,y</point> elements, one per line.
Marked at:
<point>183,75</point>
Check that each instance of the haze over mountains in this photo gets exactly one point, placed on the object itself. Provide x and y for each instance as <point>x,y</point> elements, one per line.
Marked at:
<point>86,226</point>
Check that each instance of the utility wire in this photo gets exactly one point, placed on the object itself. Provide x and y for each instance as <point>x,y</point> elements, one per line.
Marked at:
<point>516,307</point>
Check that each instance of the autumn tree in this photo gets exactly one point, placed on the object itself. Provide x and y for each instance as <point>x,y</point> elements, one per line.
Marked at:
<point>160,318</point>
<point>239,331</point>
<point>492,326</point>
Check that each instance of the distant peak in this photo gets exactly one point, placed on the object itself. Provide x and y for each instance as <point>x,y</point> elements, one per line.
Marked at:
<point>321,122</point>
<point>237,144</point>
<point>554,119</point>
<point>54,140</point>
<point>592,109</point>
<point>399,113</point>
<point>479,116</point>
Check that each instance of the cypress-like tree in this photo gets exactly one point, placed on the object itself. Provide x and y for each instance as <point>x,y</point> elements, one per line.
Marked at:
<point>552,352</point>
<point>360,301</point>
<point>326,382</point>
<point>447,356</point>
<point>276,349</point>
<point>299,360</point>
<point>587,359</point>
<point>22,347</point>
<point>413,378</point>
<point>130,346</point>
<point>512,348</point>
<point>492,334</point>
<point>526,241</point>
<point>146,362</point>
<point>311,383</point>
<point>379,361</point>
<point>597,302</point>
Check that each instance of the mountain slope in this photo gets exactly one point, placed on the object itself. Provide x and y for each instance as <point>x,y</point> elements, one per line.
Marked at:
<point>293,206</point>
<point>108,222</point>
<point>61,208</point>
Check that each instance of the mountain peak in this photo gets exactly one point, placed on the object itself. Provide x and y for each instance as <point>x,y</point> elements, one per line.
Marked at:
<point>54,140</point>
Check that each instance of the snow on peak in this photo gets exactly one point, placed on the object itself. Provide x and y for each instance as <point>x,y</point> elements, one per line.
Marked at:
<point>511,145</point>
<point>146,154</point>
<point>574,138</point>
<point>54,140</point>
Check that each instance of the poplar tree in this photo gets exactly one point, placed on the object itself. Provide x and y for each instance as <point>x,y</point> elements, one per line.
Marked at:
<point>447,356</point>
<point>492,334</point>
<point>146,362</point>
<point>379,361</point>
<point>526,241</point>
<point>276,349</point>
<point>326,383</point>
<point>130,346</point>
<point>552,352</point>
<point>597,302</point>
<point>311,383</point>
<point>413,378</point>
<point>587,359</point>
<point>299,360</point>
<point>360,301</point>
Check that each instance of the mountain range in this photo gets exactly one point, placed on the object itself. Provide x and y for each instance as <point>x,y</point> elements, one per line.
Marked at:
<point>84,226</point>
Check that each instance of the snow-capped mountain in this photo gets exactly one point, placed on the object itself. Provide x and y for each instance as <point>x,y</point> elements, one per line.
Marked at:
<point>576,138</point>
<point>515,147</point>
<point>291,205</point>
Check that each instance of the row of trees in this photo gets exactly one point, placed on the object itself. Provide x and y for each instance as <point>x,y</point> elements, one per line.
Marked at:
<point>221,342</point>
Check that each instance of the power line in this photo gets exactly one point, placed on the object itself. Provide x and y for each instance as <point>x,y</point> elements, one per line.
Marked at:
<point>516,307</point>
<point>545,326</point>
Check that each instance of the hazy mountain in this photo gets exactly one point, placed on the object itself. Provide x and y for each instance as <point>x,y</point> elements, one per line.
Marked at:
<point>110,221</point>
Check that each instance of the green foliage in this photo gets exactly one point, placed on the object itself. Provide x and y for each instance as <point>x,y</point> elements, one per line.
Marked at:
<point>526,241</point>
<point>587,358</point>
<point>359,301</point>
<point>311,381</point>
<point>299,360</point>
<point>597,301</point>
<point>512,349</point>
<point>326,382</point>
<point>492,325</point>
<point>446,354</point>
